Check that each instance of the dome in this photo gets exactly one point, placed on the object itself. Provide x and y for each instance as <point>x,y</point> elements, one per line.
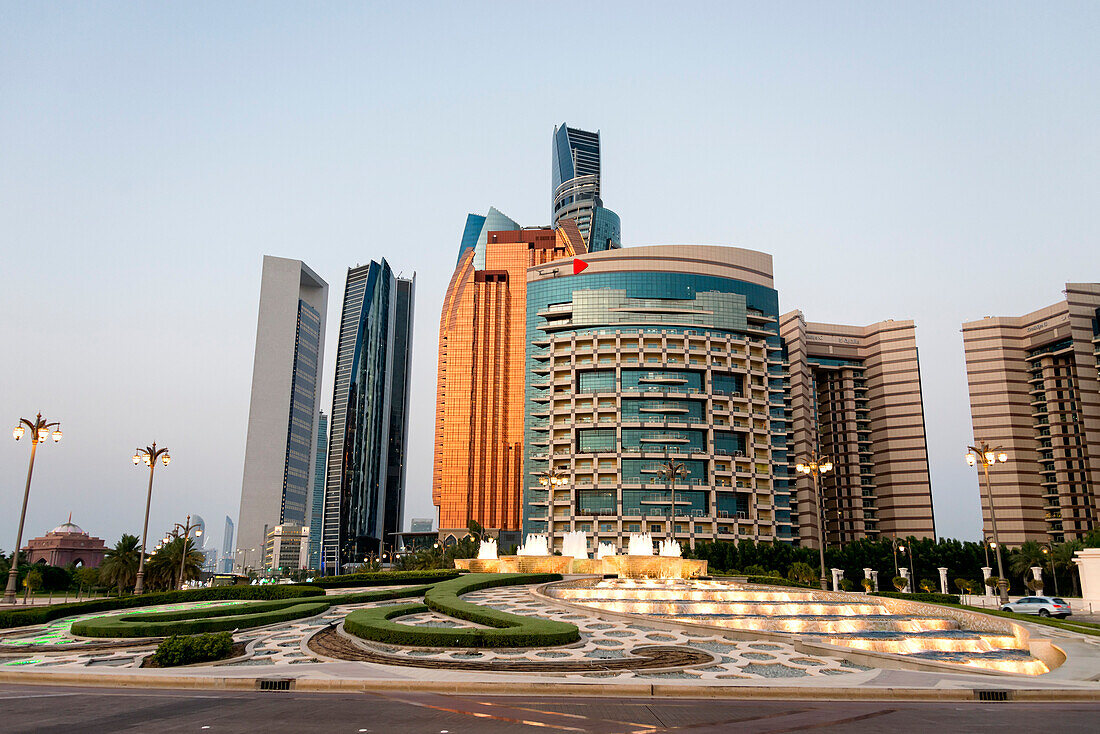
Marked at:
<point>67,527</point>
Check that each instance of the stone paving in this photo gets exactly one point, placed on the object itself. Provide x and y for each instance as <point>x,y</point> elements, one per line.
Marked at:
<point>601,639</point>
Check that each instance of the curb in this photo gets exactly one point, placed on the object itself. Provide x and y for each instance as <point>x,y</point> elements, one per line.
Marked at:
<point>514,688</point>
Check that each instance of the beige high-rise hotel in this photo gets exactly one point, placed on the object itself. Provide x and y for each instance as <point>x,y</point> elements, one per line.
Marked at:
<point>855,397</point>
<point>1034,391</point>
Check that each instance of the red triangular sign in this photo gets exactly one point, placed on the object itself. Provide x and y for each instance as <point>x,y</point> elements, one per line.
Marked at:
<point>578,265</point>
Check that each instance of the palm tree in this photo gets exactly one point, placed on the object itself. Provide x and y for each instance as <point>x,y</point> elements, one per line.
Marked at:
<point>672,470</point>
<point>120,564</point>
<point>163,569</point>
<point>1023,558</point>
<point>1063,558</point>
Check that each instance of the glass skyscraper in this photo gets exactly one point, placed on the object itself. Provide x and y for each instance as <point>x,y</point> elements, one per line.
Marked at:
<point>576,188</point>
<point>654,382</point>
<point>317,507</point>
<point>365,484</point>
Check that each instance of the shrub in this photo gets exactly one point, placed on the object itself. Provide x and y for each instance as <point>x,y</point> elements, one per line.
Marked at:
<point>384,578</point>
<point>772,581</point>
<point>868,585</point>
<point>1034,584</point>
<point>933,598</point>
<point>41,615</point>
<point>802,572</point>
<point>964,586</point>
<point>900,583</point>
<point>187,649</point>
<point>846,585</point>
<point>928,585</point>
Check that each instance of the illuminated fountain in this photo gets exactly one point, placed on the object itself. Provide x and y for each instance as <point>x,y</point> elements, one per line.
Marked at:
<point>487,550</point>
<point>639,544</point>
<point>640,563</point>
<point>670,549</point>
<point>829,622</point>
<point>535,545</point>
<point>575,544</point>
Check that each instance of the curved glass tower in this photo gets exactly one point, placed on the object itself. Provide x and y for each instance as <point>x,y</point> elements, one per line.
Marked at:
<point>576,181</point>
<point>655,359</point>
<point>365,484</point>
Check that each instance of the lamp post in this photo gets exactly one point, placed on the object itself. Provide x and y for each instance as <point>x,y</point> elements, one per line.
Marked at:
<point>817,466</point>
<point>40,431</point>
<point>912,568</point>
<point>186,529</point>
<point>552,478</point>
<point>1048,550</point>
<point>987,456</point>
<point>149,455</point>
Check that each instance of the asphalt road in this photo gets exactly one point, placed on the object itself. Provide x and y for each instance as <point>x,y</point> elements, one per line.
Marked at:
<point>44,709</point>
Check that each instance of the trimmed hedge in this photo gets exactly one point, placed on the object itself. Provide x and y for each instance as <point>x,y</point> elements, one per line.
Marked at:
<point>188,649</point>
<point>364,597</point>
<point>922,596</point>
<point>243,616</point>
<point>41,615</point>
<point>384,578</point>
<point>780,581</point>
<point>194,621</point>
<point>507,630</point>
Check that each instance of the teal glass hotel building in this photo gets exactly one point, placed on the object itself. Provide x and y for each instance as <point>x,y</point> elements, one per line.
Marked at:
<point>654,382</point>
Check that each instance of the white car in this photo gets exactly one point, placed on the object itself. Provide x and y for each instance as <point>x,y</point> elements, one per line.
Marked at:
<point>1044,606</point>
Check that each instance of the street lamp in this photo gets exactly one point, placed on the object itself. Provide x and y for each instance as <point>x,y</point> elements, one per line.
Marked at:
<point>551,478</point>
<point>987,456</point>
<point>40,431</point>
<point>186,529</point>
<point>912,567</point>
<point>1048,550</point>
<point>817,466</point>
<point>149,455</point>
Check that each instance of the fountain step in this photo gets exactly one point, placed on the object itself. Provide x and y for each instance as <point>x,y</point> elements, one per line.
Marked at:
<point>645,606</point>
<point>675,594</point>
<point>825,624</point>
<point>854,621</point>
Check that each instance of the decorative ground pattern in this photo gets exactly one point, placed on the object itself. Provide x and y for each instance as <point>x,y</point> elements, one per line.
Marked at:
<point>609,648</point>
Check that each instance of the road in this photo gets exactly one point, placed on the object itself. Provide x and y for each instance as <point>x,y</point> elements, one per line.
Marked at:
<point>43,709</point>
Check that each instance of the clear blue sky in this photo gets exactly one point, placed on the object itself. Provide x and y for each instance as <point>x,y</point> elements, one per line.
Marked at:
<point>938,161</point>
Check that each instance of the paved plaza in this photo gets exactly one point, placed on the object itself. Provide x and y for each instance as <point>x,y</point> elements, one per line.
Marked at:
<point>629,653</point>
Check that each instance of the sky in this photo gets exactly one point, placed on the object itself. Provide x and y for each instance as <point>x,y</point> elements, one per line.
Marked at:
<point>935,161</point>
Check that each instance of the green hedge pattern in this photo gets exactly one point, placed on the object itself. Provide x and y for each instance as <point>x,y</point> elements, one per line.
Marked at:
<point>231,617</point>
<point>922,596</point>
<point>507,630</point>
<point>41,615</point>
<point>384,578</point>
<point>780,581</point>
<point>218,619</point>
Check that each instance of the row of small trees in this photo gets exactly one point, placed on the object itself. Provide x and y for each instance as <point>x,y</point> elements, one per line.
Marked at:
<point>964,561</point>
<point>117,571</point>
